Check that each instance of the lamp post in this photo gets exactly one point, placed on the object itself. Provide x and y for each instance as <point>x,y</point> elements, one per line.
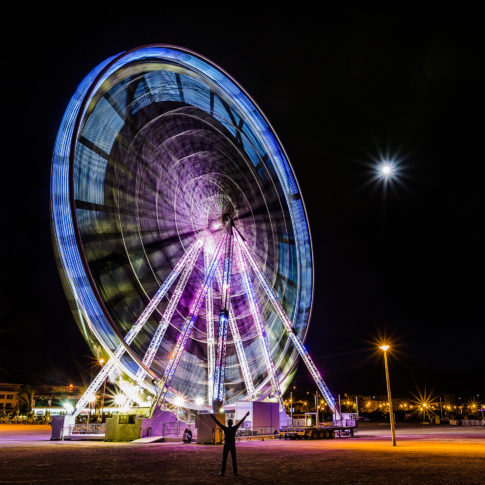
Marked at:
<point>385,348</point>
<point>316,409</point>
<point>101,362</point>
<point>291,407</point>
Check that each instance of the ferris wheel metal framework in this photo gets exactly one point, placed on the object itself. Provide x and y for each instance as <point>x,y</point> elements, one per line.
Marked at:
<point>227,244</point>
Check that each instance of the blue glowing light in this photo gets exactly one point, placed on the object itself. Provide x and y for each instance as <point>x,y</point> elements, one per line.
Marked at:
<point>94,120</point>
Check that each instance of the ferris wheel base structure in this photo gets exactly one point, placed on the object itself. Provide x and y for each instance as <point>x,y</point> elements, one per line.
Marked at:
<point>181,235</point>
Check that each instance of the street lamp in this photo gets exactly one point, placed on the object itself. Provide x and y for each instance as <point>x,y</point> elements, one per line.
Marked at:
<point>179,401</point>
<point>101,362</point>
<point>385,348</point>
<point>92,403</point>
<point>291,406</point>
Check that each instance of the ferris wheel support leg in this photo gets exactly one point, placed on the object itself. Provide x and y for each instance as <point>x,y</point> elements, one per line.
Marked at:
<point>209,312</point>
<point>96,383</point>
<point>243,362</point>
<point>167,317</point>
<point>241,355</point>
<point>258,321</point>
<point>164,383</point>
<point>135,329</point>
<point>288,324</point>
<point>218,393</point>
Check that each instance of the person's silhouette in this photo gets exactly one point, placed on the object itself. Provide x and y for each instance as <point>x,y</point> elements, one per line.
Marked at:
<point>229,442</point>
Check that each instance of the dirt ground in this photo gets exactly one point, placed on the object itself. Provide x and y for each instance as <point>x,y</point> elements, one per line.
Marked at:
<point>441,455</point>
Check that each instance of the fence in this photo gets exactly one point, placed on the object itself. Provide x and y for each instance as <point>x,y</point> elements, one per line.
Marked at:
<point>84,431</point>
<point>472,422</point>
<point>176,429</point>
<point>255,432</point>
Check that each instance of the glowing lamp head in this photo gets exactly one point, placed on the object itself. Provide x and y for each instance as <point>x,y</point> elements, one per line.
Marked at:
<point>179,401</point>
<point>199,401</point>
<point>119,399</point>
<point>68,407</point>
<point>385,348</point>
<point>386,170</point>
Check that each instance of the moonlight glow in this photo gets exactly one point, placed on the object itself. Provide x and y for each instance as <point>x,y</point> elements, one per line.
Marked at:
<point>386,169</point>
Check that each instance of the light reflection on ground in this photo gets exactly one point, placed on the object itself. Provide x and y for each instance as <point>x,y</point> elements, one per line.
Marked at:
<point>432,454</point>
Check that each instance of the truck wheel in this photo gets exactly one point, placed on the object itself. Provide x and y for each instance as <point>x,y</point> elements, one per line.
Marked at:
<point>326,434</point>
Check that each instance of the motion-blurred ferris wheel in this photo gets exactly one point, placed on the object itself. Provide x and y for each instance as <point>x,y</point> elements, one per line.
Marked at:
<point>181,233</point>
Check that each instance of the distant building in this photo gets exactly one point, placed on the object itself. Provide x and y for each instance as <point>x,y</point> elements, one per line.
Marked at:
<point>9,396</point>
<point>45,396</point>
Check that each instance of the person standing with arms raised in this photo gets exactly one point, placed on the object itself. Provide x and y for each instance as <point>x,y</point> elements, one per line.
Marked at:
<point>229,443</point>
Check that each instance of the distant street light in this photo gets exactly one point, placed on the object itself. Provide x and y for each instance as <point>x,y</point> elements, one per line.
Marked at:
<point>179,401</point>
<point>68,407</point>
<point>291,406</point>
<point>101,362</point>
<point>385,348</point>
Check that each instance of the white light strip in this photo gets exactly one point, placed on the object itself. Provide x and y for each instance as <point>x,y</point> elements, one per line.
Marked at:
<point>176,355</point>
<point>134,330</point>
<point>241,355</point>
<point>288,324</point>
<point>258,322</point>
<point>167,315</point>
<point>218,393</point>
<point>209,311</point>
<point>243,363</point>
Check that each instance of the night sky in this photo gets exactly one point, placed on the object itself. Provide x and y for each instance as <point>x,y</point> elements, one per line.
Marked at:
<point>340,88</point>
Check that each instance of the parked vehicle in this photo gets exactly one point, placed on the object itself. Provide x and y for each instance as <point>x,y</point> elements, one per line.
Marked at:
<point>345,426</point>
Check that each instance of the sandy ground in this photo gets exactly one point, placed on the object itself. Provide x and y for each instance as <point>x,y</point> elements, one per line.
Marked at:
<point>427,455</point>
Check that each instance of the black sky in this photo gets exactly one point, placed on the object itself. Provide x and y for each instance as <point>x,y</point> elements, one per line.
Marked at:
<point>338,87</point>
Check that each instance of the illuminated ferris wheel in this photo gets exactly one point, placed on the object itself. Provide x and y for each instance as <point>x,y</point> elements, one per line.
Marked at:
<point>181,233</point>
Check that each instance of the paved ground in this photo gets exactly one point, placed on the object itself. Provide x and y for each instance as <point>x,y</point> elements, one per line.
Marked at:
<point>428,455</point>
